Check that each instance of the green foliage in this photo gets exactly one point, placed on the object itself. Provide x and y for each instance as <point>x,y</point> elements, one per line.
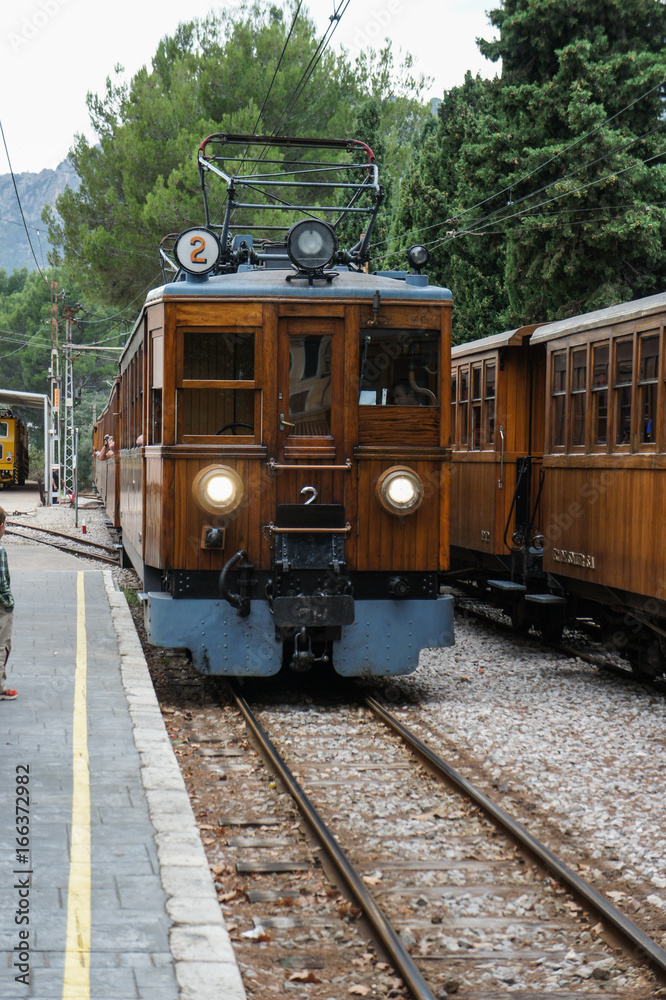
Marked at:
<point>27,340</point>
<point>139,180</point>
<point>552,176</point>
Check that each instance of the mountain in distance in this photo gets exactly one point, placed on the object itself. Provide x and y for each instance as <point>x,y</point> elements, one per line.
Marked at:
<point>35,191</point>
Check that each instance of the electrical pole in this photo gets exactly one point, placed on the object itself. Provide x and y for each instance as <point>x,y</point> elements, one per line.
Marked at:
<point>53,433</point>
<point>69,451</point>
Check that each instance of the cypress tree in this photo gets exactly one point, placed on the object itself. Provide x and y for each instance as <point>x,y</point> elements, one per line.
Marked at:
<point>570,144</point>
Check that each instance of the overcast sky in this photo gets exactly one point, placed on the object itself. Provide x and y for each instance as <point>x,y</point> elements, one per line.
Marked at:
<point>52,52</point>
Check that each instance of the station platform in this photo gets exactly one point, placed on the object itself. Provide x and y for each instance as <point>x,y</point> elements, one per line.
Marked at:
<point>105,891</point>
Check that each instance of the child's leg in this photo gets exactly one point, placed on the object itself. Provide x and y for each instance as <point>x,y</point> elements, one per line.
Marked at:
<point>6,622</point>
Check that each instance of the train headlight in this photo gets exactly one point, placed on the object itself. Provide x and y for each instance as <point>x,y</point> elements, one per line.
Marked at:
<point>311,244</point>
<point>218,489</point>
<point>418,256</point>
<point>400,490</point>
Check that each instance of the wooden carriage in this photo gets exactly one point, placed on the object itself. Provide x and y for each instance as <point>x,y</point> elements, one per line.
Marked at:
<point>580,531</point>
<point>605,471</point>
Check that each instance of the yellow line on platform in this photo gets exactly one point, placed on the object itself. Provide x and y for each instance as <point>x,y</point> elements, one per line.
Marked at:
<point>76,980</point>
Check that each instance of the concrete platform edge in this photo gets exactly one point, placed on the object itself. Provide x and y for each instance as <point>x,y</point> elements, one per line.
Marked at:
<point>205,963</point>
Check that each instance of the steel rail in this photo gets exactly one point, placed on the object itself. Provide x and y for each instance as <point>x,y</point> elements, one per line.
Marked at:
<point>608,666</point>
<point>61,534</point>
<point>65,548</point>
<point>399,956</point>
<point>644,945</point>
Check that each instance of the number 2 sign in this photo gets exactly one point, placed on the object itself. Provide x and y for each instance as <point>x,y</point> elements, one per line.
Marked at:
<point>197,251</point>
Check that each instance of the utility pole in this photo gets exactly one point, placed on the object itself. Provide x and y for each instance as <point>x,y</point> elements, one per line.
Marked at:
<point>69,452</point>
<point>53,433</point>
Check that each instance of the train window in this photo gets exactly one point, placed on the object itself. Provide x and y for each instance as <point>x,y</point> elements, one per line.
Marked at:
<point>463,405</point>
<point>476,407</point>
<point>215,356</point>
<point>648,374</point>
<point>624,365</point>
<point>578,390</point>
<point>559,390</point>
<point>600,357</point>
<point>489,403</point>
<point>310,384</point>
<point>1,451</point>
<point>454,385</point>
<point>217,411</point>
<point>399,368</point>
<point>156,417</point>
<point>4,428</point>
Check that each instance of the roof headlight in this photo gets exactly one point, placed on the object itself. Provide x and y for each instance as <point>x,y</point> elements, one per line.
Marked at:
<point>311,244</point>
<point>418,256</point>
<point>217,489</point>
<point>400,490</point>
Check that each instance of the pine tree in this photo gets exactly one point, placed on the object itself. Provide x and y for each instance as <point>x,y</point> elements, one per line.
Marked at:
<point>139,180</point>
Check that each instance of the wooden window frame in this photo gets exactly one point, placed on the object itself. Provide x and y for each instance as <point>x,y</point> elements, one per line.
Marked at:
<point>254,384</point>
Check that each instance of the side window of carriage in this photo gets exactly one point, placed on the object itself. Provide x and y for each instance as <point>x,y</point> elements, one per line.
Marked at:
<point>217,394</point>
<point>648,389</point>
<point>558,389</point>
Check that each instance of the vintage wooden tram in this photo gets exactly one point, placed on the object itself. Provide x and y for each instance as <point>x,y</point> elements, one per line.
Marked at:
<point>279,502</point>
<point>14,454</point>
<point>563,445</point>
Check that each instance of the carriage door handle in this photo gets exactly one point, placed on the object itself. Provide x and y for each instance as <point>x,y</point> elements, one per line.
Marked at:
<point>500,484</point>
<point>284,423</point>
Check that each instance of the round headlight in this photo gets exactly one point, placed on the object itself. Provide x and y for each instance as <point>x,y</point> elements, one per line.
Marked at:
<point>217,489</point>
<point>311,244</point>
<point>418,256</point>
<point>400,490</point>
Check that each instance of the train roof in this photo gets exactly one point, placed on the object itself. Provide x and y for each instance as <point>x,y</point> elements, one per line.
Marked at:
<point>272,283</point>
<point>510,338</point>
<point>602,317</point>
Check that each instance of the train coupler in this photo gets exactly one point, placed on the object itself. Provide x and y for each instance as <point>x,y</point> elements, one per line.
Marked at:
<point>303,657</point>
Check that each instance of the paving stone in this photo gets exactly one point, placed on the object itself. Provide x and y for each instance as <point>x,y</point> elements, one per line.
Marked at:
<point>154,933</point>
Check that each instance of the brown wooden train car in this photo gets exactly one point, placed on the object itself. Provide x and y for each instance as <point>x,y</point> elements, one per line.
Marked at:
<point>283,448</point>
<point>604,523</point>
<point>106,460</point>
<point>497,421</point>
<point>592,543</point>
<point>270,430</point>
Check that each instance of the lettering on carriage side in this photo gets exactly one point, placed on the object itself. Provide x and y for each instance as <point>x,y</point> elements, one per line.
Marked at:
<point>581,559</point>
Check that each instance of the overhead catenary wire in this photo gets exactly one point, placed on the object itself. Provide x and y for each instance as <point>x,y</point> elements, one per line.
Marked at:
<point>477,227</point>
<point>534,210</point>
<point>509,187</point>
<point>18,198</point>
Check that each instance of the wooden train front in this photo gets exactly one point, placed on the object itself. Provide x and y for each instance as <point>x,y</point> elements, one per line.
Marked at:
<point>289,500</point>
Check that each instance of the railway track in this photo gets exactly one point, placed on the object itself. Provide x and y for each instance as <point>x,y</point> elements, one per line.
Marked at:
<point>470,608</point>
<point>455,906</point>
<point>77,545</point>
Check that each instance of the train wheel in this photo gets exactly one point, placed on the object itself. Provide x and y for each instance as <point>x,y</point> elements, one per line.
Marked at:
<point>519,619</point>
<point>551,630</point>
<point>647,661</point>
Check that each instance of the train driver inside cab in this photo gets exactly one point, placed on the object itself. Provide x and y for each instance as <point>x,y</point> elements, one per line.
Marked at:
<point>403,394</point>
